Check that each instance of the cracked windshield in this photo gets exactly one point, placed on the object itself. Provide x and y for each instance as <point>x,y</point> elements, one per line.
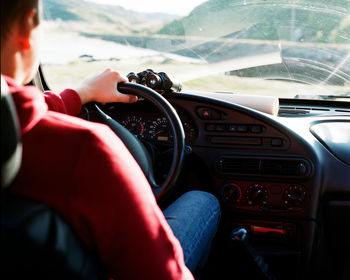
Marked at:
<point>284,48</point>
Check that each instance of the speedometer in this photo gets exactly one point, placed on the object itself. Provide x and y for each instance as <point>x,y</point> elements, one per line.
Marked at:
<point>159,130</point>
<point>135,125</point>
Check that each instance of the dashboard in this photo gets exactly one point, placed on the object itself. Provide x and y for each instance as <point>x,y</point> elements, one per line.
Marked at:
<point>284,178</point>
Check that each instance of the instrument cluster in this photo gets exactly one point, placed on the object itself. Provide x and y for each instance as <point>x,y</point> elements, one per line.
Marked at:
<point>155,127</point>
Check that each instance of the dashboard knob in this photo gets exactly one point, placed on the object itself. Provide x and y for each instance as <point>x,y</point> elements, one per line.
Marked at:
<point>294,196</point>
<point>257,194</point>
<point>231,193</point>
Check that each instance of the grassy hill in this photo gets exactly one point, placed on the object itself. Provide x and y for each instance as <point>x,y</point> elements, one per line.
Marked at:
<point>90,12</point>
<point>246,19</point>
<point>313,20</point>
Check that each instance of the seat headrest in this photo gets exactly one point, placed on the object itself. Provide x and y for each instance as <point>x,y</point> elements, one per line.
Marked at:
<point>11,147</point>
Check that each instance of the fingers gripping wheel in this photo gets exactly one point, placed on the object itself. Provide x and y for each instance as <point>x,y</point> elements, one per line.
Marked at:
<point>137,149</point>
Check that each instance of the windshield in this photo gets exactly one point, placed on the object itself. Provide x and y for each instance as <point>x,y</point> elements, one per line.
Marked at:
<point>284,48</point>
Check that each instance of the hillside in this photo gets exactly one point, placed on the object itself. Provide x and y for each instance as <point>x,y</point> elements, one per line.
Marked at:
<point>88,12</point>
<point>266,21</point>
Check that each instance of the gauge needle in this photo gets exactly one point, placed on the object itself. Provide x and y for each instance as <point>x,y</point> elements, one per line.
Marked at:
<point>158,132</point>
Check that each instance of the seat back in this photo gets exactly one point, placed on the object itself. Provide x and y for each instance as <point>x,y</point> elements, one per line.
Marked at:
<point>36,243</point>
<point>11,147</point>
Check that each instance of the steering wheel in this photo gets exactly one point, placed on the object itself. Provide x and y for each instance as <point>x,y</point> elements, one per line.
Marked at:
<point>135,146</point>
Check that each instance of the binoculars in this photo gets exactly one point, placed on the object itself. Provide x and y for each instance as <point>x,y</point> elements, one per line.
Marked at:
<point>160,81</point>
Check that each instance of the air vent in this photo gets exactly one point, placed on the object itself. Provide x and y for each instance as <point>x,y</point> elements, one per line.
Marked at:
<point>342,111</point>
<point>264,167</point>
<point>298,111</point>
<point>236,165</point>
<point>291,110</point>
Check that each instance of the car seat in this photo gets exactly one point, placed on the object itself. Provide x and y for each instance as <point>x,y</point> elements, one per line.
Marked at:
<point>36,243</point>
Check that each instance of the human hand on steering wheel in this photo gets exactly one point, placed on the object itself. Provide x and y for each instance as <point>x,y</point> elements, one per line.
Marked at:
<point>102,88</point>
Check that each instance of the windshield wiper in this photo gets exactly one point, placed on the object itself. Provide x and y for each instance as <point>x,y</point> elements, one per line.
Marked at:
<point>345,95</point>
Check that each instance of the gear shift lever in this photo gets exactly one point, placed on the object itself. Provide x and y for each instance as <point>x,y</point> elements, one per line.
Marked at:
<point>256,264</point>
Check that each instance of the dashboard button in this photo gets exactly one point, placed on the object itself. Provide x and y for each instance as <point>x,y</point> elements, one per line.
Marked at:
<point>220,127</point>
<point>232,128</point>
<point>256,129</point>
<point>210,127</point>
<point>204,113</point>
<point>208,113</point>
<point>242,128</point>
<point>276,142</point>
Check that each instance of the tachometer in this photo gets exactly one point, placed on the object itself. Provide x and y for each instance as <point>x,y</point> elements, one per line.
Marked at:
<point>135,125</point>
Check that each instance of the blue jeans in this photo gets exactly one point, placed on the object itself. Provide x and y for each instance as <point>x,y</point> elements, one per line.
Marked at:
<point>194,219</point>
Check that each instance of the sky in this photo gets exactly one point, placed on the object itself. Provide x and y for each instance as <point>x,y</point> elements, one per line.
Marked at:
<point>178,7</point>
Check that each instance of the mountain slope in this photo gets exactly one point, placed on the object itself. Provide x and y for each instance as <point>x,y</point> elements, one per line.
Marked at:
<point>304,20</point>
<point>89,12</point>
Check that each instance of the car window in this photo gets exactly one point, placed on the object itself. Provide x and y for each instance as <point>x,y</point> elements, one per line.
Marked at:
<point>284,48</point>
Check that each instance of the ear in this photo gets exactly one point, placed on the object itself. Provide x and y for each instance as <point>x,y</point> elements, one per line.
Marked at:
<point>26,24</point>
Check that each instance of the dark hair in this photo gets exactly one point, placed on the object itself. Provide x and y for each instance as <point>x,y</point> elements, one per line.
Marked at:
<point>12,10</point>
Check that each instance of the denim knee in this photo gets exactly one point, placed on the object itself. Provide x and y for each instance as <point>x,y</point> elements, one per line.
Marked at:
<point>194,219</point>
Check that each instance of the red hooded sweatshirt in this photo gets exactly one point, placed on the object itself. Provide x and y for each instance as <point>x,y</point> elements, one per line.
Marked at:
<point>84,171</point>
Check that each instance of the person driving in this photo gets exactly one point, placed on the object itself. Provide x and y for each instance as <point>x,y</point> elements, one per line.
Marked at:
<point>85,172</point>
